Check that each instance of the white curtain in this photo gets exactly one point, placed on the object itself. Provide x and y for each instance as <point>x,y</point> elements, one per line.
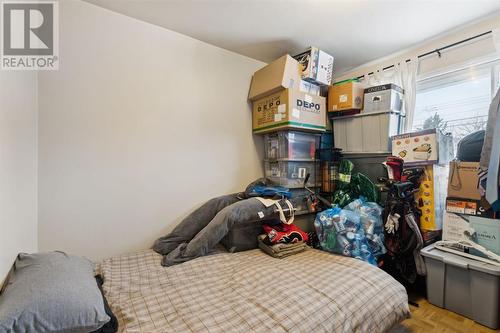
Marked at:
<point>496,39</point>
<point>403,74</point>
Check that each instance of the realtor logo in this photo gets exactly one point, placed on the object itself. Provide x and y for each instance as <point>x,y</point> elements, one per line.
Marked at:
<point>30,35</point>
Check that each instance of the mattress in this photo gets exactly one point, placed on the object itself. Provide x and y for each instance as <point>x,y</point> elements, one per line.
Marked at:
<point>249,291</point>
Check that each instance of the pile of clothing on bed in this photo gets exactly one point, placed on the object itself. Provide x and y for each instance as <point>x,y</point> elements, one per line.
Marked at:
<point>281,240</point>
<point>202,230</point>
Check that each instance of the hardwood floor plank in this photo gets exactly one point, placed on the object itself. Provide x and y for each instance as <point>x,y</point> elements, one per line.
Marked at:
<point>427,318</point>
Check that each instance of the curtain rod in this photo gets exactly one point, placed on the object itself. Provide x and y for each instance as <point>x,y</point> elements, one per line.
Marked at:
<point>438,50</point>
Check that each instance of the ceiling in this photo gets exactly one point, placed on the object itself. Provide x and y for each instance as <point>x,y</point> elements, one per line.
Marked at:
<point>353,31</point>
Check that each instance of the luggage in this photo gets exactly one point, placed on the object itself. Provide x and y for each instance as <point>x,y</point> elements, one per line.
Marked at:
<point>243,237</point>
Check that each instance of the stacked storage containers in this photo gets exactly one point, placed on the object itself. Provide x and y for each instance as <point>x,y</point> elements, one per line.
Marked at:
<point>289,158</point>
<point>289,110</point>
<point>364,119</point>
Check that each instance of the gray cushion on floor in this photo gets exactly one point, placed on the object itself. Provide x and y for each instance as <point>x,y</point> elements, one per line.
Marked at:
<point>52,292</point>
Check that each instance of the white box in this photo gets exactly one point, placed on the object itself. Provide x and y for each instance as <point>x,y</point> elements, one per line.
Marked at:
<point>423,147</point>
<point>316,65</point>
<point>382,98</point>
<point>310,88</point>
<point>455,227</point>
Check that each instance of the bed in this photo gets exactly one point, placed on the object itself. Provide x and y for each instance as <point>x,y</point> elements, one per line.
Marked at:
<point>249,291</point>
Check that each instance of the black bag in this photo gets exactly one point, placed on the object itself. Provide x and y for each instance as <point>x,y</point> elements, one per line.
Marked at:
<point>469,148</point>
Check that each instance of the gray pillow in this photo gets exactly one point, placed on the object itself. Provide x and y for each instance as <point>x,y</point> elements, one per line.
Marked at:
<point>52,292</point>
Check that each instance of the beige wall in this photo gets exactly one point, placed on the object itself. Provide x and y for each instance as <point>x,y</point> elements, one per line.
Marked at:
<point>18,215</point>
<point>139,126</point>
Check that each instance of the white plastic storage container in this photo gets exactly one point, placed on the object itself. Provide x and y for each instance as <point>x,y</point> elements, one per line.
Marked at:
<point>291,174</point>
<point>383,97</point>
<point>291,145</point>
<point>366,132</point>
<point>465,286</point>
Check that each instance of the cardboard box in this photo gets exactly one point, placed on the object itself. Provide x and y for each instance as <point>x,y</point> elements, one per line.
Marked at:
<point>456,227</point>
<point>316,66</point>
<point>383,98</point>
<point>281,73</point>
<point>345,95</point>
<point>484,231</point>
<point>469,207</point>
<point>289,109</point>
<point>487,232</point>
<point>463,180</point>
<point>430,198</point>
<point>423,147</point>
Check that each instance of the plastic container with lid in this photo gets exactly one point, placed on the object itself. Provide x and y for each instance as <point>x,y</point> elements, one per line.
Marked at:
<point>462,285</point>
<point>292,174</point>
<point>292,145</point>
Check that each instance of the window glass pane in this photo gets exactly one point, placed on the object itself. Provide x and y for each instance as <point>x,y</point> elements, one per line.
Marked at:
<point>457,102</point>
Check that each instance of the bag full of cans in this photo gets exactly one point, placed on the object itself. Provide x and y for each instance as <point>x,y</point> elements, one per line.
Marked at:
<point>355,231</point>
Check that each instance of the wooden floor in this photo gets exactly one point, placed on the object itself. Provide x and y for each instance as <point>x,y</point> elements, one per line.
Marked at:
<point>428,318</point>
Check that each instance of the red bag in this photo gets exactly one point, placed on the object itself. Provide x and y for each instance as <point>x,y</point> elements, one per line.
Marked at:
<point>285,233</point>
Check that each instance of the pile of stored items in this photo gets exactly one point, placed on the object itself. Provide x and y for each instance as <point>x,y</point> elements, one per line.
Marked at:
<point>463,270</point>
<point>289,109</point>
<point>416,176</point>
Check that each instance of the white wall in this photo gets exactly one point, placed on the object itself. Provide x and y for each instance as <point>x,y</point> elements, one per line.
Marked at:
<point>482,48</point>
<point>18,214</point>
<point>139,126</point>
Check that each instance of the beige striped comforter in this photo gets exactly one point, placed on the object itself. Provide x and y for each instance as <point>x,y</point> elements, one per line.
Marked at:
<point>312,291</point>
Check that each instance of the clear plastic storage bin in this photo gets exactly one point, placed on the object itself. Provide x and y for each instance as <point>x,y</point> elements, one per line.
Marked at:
<point>291,145</point>
<point>292,174</point>
<point>299,200</point>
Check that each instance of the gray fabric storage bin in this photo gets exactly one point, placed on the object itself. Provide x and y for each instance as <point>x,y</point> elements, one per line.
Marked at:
<point>243,237</point>
<point>465,286</point>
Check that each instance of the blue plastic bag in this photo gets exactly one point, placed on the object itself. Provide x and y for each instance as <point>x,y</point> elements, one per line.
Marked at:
<point>356,231</point>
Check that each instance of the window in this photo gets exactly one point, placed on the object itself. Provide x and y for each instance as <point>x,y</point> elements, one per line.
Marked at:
<point>457,102</point>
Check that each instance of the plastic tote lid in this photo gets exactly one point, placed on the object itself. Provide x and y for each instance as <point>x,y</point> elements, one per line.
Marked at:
<point>459,261</point>
<point>355,79</point>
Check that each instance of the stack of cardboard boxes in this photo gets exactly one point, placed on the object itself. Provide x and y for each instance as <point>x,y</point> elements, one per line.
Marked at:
<point>288,108</point>
<point>467,212</point>
<point>449,197</point>
<point>286,93</point>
